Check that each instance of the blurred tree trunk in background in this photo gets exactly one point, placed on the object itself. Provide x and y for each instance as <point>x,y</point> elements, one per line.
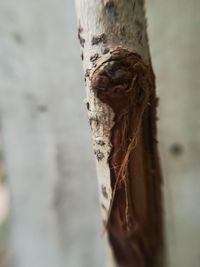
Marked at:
<point>175,41</point>
<point>46,138</point>
<point>54,218</point>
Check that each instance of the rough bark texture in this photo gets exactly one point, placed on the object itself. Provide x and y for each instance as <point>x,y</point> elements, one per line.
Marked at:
<point>122,104</point>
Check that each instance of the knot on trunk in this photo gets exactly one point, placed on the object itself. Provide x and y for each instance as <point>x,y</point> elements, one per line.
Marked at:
<point>122,81</point>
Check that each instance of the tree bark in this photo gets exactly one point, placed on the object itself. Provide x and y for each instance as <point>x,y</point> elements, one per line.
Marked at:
<point>121,105</point>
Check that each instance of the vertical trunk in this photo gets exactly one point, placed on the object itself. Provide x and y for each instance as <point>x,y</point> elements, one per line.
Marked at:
<point>121,105</point>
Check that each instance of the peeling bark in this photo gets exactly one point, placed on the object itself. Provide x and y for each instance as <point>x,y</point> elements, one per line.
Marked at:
<point>121,105</point>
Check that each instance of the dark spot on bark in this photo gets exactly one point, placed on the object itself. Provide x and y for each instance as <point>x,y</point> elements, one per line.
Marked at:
<point>82,56</point>
<point>81,39</point>
<point>87,73</point>
<point>99,39</point>
<point>103,206</point>
<point>88,106</point>
<point>104,192</point>
<point>94,57</point>
<point>99,155</point>
<point>111,8</point>
<point>176,149</point>
<point>42,108</point>
<point>105,50</point>
<point>100,142</point>
<point>18,37</point>
<point>93,118</point>
<point>80,29</point>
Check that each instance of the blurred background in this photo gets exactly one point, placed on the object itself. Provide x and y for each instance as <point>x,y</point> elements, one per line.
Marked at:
<point>49,210</point>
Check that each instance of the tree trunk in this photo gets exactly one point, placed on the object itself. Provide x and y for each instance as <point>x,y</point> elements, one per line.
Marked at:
<point>121,105</point>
